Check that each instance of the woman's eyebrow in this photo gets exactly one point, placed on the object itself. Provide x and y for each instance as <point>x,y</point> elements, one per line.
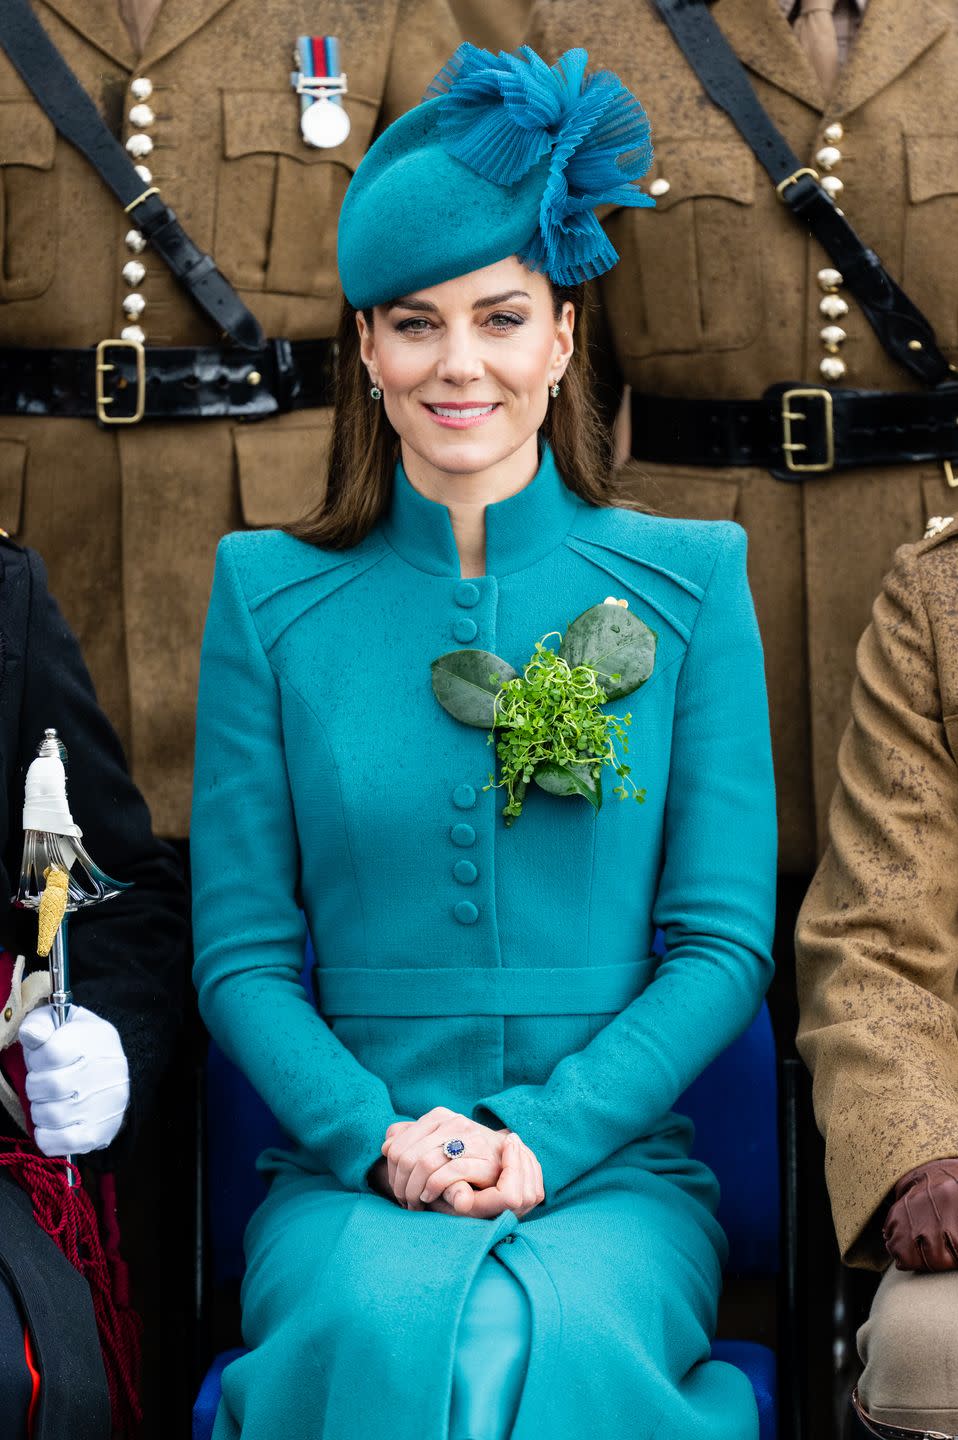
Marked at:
<point>426,306</point>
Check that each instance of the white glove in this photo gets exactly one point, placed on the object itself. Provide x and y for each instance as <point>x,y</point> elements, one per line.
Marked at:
<point>78,1081</point>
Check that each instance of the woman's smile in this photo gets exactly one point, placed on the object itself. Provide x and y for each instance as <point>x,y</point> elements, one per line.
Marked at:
<point>460,414</point>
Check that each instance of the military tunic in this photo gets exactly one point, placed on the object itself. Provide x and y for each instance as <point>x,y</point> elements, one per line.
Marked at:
<point>127,518</point>
<point>719,294</point>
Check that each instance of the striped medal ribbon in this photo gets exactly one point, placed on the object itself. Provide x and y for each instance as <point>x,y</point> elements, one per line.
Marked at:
<point>320,84</point>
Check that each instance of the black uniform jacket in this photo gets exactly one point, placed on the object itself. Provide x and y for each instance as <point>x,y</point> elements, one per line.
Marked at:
<point>128,956</point>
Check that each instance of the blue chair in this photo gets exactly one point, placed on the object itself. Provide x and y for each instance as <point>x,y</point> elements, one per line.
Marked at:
<point>733,1105</point>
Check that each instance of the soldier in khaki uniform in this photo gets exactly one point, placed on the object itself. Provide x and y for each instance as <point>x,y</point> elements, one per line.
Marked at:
<point>721,293</point>
<point>878,980</point>
<point>127,516</point>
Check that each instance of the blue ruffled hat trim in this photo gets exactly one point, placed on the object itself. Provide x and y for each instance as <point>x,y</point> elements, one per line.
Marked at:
<point>501,114</point>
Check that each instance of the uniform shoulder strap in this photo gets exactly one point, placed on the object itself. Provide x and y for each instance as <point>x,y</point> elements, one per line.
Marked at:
<point>903,330</point>
<point>55,87</point>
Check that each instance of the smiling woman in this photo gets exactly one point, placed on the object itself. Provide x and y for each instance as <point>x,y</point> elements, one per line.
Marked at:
<point>505,335</point>
<point>487,1225</point>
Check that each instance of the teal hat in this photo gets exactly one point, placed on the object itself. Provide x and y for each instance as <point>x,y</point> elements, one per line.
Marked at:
<point>505,156</point>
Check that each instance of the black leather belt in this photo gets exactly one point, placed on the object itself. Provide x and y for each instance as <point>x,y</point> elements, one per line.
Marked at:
<point>893,1432</point>
<point>798,432</point>
<point>120,382</point>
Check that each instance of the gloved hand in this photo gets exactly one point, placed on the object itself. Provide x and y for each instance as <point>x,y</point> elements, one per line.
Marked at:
<point>78,1081</point>
<point>921,1228</point>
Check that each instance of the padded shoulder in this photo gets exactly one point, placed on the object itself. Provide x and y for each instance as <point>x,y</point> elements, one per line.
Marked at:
<point>282,577</point>
<point>666,563</point>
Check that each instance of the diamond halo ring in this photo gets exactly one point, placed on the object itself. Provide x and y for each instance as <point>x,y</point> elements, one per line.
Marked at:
<point>452,1149</point>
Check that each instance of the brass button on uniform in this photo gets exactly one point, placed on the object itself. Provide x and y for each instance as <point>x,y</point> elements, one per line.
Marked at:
<point>134,305</point>
<point>145,173</point>
<point>465,630</point>
<point>462,835</point>
<point>135,242</point>
<point>828,157</point>
<point>133,332</point>
<point>139,146</point>
<point>141,115</point>
<point>253,377</point>
<point>834,132</point>
<point>466,594</point>
<point>660,187</point>
<point>832,186</point>
<point>833,307</point>
<point>830,279</point>
<point>8,1014</point>
<point>141,88</point>
<point>832,368</point>
<point>134,272</point>
<point>833,335</point>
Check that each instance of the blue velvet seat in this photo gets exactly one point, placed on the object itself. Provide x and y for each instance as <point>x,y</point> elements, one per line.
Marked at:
<point>735,1110</point>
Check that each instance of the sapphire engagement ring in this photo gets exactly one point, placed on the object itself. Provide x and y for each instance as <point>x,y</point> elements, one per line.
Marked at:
<point>452,1149</point>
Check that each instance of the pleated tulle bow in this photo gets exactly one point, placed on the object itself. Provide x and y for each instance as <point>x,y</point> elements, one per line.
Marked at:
<point>501,114</point>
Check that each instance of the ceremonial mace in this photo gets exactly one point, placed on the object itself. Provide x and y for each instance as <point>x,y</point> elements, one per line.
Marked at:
<point>57,876</point>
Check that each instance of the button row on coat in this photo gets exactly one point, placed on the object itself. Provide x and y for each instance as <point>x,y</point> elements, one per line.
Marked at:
<point>833,308</point>
<point>139,146</point>
<point>464,798</point>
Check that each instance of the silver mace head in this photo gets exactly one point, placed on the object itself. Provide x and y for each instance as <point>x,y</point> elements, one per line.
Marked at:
<point>52,840</point>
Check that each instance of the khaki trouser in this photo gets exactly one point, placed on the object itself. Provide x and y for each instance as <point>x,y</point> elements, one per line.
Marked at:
<point>909,1346</point>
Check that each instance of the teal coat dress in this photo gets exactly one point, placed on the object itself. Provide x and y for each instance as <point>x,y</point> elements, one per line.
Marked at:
<point>505,973</point>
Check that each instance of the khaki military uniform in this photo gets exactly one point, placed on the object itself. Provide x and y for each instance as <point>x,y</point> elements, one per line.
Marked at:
<point>718,296</point>
<point>494,24</point>
<point>127,519</point>
<point>878,971</point>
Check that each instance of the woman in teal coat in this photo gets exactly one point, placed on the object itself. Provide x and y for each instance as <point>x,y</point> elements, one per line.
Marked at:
<point>486,1223</point>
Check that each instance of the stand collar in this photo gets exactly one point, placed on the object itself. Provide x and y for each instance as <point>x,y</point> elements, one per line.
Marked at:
<point>519,531</point>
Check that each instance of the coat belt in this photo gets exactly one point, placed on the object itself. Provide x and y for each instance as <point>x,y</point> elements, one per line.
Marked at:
<point>461,990</point>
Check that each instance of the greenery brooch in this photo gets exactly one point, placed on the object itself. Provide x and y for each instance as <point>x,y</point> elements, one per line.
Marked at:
<point>547,724</point>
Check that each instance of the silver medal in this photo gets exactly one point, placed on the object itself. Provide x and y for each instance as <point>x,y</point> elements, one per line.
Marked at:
<point>324,124</point>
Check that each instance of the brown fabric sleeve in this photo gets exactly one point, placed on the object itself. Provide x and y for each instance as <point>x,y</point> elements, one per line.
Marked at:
<point>877,937</point>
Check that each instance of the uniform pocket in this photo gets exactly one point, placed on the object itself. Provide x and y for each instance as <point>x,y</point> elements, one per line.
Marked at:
<point>931,218</point>
<point>674,290</point>
<point>28,237</point>
<point>278,199</point>
<point>281,469</point>
<point>677,494</point>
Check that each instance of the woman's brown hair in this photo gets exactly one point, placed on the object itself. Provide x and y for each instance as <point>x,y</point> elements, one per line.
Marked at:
<point>365,447</point>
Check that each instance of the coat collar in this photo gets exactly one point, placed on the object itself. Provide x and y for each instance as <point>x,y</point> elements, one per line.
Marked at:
<point>99,22</point>
<point>891,38</point>
<point>519,531</point>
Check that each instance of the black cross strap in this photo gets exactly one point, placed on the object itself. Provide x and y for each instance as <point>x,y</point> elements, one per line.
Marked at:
<point>903,330</point>
<point>57,90</point>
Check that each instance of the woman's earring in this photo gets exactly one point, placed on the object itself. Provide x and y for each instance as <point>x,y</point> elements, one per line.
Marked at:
<point>554,390</point>
<point>376,393</point>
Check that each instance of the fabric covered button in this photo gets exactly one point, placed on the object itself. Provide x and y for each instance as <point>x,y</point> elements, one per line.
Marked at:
<point>466,594</point>
<point>462,835</point>
<point>463,797</point>
<point>465,872</point>
<point>466,913</point>
<point>465,630</point>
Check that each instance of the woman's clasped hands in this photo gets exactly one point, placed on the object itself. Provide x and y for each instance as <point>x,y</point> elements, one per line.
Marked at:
<point>496,1171</point>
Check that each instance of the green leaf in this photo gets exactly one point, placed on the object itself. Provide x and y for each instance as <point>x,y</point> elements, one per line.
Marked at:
<point>613,642</point>
<point>463,682</point>
<point>570,780</point>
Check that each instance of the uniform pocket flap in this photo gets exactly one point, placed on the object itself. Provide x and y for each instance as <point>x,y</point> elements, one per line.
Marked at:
<point>282,471</point>
<point>664,490</point>
<point>932,166</point>
<point>267,122</point>
<point>27,137</point>
<point>694,169</point>
<point>13,463</point>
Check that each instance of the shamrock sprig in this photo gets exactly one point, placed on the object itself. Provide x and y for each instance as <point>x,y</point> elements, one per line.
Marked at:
<point>547,724</point>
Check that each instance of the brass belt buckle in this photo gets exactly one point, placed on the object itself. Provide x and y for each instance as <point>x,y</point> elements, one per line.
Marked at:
<point>103,366</point>
<point>791,447</point>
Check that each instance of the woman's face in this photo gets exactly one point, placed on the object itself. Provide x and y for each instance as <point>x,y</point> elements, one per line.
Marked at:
<point>465,367</point>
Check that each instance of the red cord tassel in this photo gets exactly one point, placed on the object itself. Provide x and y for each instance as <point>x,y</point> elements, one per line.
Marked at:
<point>65,1213</point>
